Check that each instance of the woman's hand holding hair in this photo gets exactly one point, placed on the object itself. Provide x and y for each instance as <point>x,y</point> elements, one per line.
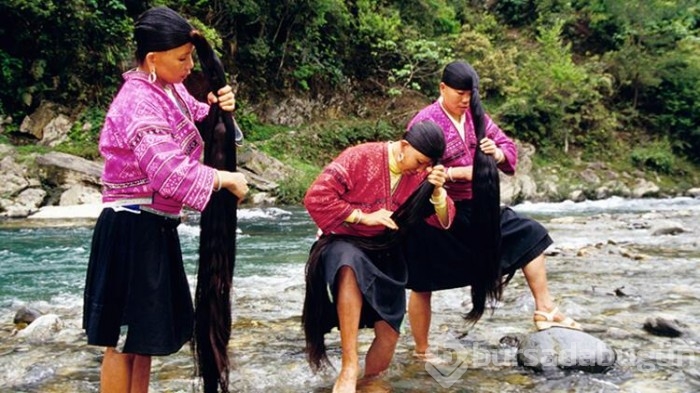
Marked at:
<point>226,98</point>
<point>235,182</point>
<point>488,146</point>
<point>437,176</point>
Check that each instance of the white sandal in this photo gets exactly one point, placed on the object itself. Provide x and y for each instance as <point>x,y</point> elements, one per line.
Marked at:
<point>549,321</point>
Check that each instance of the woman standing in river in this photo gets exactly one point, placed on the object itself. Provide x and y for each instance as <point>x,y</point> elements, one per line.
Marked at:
<point>137,301</point>
<point>486,241</point>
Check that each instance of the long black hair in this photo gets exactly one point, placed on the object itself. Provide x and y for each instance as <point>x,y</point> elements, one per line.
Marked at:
<point>486,211</point>
<point>318,315</point>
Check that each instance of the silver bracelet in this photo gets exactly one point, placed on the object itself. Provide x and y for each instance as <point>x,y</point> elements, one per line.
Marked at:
<point>218,178</point>
<point>449,175</point>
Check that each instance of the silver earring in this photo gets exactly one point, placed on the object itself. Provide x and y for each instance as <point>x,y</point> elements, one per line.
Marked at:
<point>400,157</point>
<point>152,76</point>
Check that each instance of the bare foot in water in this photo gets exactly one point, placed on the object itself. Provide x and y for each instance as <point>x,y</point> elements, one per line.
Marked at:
<point>347,380</point>
<point>373,384</point>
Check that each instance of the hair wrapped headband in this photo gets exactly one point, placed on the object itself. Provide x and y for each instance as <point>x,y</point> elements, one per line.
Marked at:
<point>426,137</point>
<point>160,29</point>
<point>460,75</point>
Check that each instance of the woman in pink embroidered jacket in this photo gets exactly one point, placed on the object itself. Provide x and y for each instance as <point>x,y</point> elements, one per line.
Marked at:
<point>439,260</point>
<point>363,202</point>
<point>137,300</point>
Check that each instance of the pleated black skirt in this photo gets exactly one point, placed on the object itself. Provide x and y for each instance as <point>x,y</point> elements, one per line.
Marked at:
<point>136,283</point>
<point>444,259</point>
<point>381,277</point>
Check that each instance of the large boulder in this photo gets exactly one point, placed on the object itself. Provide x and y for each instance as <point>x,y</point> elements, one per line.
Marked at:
<point>48,124</point>
<point>567,349</point>
<point>62,168</point>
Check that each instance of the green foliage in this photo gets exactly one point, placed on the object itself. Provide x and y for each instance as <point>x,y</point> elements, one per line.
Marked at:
<point>416,63</point>
<point>657,156</point>
<point>85,134</point>
<point>68,52</point>
<point>320,143</point>
<point>377,22</point>
<point>560,74</point>
<point>292,190</point>
<point>675,104</point>
<point>430,17</point>
<point>554,102</point>
<point>516,12</point>
<point>497,68</point>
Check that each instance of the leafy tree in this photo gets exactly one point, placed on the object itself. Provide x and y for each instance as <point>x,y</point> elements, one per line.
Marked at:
<point>546,103</point>
<point>68,51</point>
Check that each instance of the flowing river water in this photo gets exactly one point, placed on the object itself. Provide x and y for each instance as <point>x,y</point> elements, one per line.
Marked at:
<point>614,264</point>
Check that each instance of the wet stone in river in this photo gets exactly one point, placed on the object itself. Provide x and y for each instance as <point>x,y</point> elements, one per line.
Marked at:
<point>566,349</point>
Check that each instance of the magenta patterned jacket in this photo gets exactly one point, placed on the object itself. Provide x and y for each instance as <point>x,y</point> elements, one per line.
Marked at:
<point>461,153</point>
<point>152,150</point>
<point>359,178</point>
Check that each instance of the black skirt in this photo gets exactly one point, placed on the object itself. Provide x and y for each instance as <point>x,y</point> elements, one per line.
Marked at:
<point>136,282</point>
<point>443,259</point>
<point>381,277</point>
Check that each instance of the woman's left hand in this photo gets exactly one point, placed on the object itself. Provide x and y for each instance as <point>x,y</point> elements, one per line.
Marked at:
<point>437,175</point>
<point>226,98</point>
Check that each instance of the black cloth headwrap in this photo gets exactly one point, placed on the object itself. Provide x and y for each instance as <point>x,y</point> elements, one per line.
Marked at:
<point>160,29</point>
<point>460,75</point>
<point>427,138</point>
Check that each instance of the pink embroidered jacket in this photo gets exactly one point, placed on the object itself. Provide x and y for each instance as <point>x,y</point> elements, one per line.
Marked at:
<point>359,179</point>
<point>152,150</point>
<point>461,153</point>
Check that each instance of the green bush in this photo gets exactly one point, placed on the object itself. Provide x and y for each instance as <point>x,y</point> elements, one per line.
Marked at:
<point>321,142</point>
<point>656,156</point>
<point>84,136</point>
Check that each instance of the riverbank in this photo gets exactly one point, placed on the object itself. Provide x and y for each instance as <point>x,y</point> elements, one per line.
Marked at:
<point>62,186</point>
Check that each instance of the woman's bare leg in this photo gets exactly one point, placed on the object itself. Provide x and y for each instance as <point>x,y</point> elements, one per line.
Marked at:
<point>115,374</point>
<point>382,349</point>
<point>140,374</point>
<point>349,307</point>
<point>536,277</point>
<point>419,315</point>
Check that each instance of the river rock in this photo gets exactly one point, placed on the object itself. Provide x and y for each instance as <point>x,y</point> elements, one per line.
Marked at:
<point>24,316</point>
<point>645,188</point>
<point>23,204</point>
<point>567,349</point>
<point>62,168</point>
<point>666,227</point>
<point>42,329</point>
<point>664,327</point>
<point>78,194</point>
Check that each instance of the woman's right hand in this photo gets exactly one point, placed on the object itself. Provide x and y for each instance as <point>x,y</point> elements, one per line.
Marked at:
<point>379,217</point>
